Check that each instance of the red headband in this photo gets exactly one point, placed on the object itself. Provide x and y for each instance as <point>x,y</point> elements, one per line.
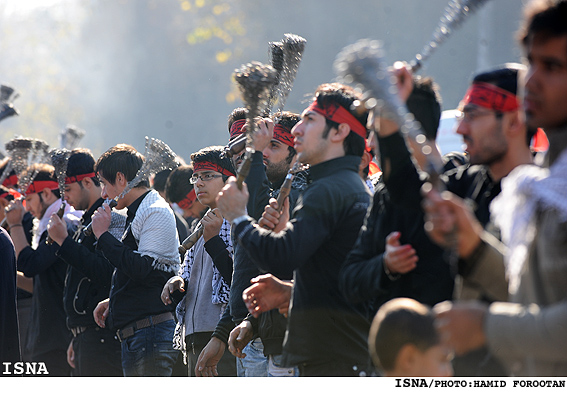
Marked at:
<point>12,192</point>
<point>283,135</point>
<point>339,114</point>
<point>236,128</point>
<point>188,201</point>
<point>492,97</point>
<point>78,178</point>
<point>11,180</point>
<point>210,166</point>
<point>38,186</point>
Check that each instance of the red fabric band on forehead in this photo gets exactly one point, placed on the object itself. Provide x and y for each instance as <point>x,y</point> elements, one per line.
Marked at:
<point>489,96</point>
<point>78,178</point>
<point>283,135</point>
<point>338,114</point>
<point>38,186</point>
<point>210,166</point>
<point>11,180</point>
<point>188,201</point>
<point>12,192</point>
<point>236,128</point>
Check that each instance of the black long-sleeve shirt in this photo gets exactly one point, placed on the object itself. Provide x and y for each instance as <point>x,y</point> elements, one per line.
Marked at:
<point>136,284</point>
<point>48,331</point>
<point>88,275</point>
<point>323,326</point>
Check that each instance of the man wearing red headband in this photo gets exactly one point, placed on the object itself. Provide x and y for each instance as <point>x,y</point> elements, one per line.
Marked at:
<point>93,351</point>
<point>528,334</point>
<point>274,155</point>
<point>48,337</point>
<point>206,273</point>
<point>497,141</point>
<point>179,190</point>
<point>326,335</point>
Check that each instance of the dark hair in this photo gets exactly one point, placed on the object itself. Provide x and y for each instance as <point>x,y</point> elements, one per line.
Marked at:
<point>44,172</point>
<point>214,154</point>
<point>160,179</point>
<point>399,322</point>
<point>544,18</point>
<point>236,114</point>
<point>6,190</point>
<point>121,158</point>
<point>506,77</point>
<point>177,185</point>
<point>345,96</point>
<point>288,120</point>
<point>424,102</point>
<point>81,162</point>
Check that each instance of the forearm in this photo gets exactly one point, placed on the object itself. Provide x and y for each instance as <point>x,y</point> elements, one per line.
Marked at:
<point>32,262</point>
<point>280,254</point>
<point>484,268</point>
<point>18,236</point>
<point>401,176</point>
<point>514,330</point>
<point>91,263</point>
<point>24,282</point>
<point>224,326</point>
<point>122,257</point>
<point>258,187</point>
<point>222,260</point>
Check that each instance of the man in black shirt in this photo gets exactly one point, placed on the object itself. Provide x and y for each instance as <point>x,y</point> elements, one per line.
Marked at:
<point>93,351</point>
<point>326,335</point>
<point>145,259</point>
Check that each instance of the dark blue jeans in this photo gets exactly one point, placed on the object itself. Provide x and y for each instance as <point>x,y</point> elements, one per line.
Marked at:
<point>149,352</point>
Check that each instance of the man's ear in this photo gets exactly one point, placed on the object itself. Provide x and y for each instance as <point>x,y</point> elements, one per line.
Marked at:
<point>405,361</point>
<point>45,193</point>
<point>342,132</point>
<point>121,179</point>
<point>87,183</point>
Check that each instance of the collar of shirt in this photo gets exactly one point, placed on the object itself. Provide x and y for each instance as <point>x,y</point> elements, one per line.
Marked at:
<point>330,167</point>
<point>87,215</point>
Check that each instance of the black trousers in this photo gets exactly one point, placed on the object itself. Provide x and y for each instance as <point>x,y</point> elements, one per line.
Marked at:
<point>195,343</point>
<point>97,354</point>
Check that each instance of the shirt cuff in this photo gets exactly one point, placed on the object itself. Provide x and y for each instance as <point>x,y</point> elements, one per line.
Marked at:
<point>238,220</point>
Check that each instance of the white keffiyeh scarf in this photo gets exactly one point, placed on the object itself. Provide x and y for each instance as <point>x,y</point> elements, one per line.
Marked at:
<point>71,216</point>
<point>221,289</point>
<point>527,189</point>
<point>155,232</point>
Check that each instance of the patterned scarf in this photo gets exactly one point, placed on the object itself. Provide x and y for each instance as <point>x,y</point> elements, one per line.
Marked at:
<point>527,189</point>
<point>71,216</point>
<point>221,289</point>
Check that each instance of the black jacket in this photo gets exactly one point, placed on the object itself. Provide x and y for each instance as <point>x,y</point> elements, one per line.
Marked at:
<point>259,189</point>
<point>88,275</point>
<point>136,285</point>
<point>323,327</point>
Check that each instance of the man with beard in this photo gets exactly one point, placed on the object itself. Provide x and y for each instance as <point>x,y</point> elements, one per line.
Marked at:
<point>528,335</point>
<point>93,351</point>
<point>326,335</point>
<point>48,336</point>
<point>271,162</point>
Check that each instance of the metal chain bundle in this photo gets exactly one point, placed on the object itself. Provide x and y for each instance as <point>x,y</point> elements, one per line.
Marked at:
<point>456,12</point>
<point>255,81</point>
<point>70,137</point>
<point>24,152</point>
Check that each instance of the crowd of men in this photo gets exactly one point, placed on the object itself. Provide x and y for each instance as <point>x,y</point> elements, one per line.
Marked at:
<point>402,271</point>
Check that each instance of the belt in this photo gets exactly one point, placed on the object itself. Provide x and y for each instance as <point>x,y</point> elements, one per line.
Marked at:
<point>78,330</point>
<point>129,330</point>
